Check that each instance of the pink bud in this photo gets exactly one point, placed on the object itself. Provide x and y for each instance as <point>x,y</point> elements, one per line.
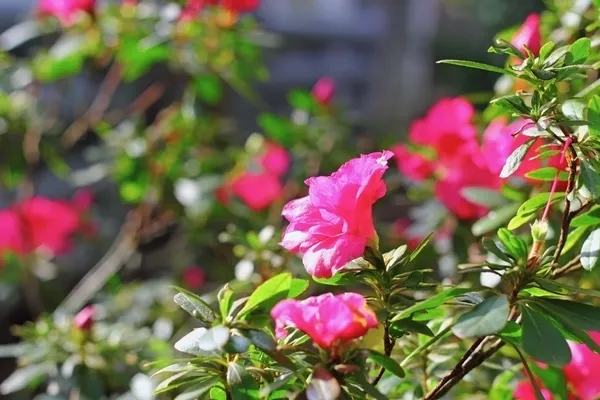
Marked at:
<point>194,277</point>
<point>84,320</point>
<point>324,90</point>
<point>83,199</point>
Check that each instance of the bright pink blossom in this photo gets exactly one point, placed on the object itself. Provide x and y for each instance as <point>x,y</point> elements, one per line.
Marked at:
<point>529,35</point>
<point>274,159</point>
<point>194,278</point>
<point>84,319</point>
<point>328,319</point>
<point>324,90</point>
<point>333,224</point>
<point>240,6</point>
<point>525,391</point>
<point>414,166</point>
<point>448,129</point>
<point>66,10</point>
<point>258,190</point>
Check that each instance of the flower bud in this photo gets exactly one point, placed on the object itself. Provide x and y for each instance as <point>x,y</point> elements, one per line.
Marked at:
<point>324,90</point>
<point>194,278</point>
<point>539,231</point>
<point>84,320</point>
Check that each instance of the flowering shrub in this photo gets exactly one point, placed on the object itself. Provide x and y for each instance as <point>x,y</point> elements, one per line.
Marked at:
<point>491,296</point>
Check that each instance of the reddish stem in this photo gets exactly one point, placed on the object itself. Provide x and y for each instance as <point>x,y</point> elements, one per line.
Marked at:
<point>566,146</point>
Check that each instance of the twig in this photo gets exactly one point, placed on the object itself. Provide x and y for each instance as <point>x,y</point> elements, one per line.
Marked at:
<point>99,106</point>
<point>569,267</point>
<point>388,346</point>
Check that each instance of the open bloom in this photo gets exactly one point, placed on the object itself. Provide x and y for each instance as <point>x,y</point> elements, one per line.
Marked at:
<point>66,10</point>
<point>328,319</point>
<point>529,35</point>
<point>274,159</point>
<point>333,224</point>
<point>258,190</point>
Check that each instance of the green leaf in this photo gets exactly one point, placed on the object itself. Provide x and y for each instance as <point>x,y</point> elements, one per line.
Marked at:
<point>197,390</point>
<point>590,177</point>
<point>386,362</point>
<point>501,388</point>
<point>394,257</point>
<point>494,219</point>
<point>399,328</point>
<point>543,341</point>
<point>590,250</point>
<point>420,248</point>
<point>261,340</point>
<point>476,65</point>
<point>536,388</point>
<point>537,202</point>
<point>339,279</point>
<point>585,316</point>
<point>547,174</point>
<point>268,293</point>
<point>573,238</point>
<point>208,88</point>
<point>297,287</point>
<point>593,115</point>
<point>235,373</point>
<point>432,302</point>
<point>515,159</point>
<point>490,245</point>
<point>485,318</point>
<point>195,306</point>
<point>563,288</point>
<point>592,217</point>
<point>578,52</point>
<point>512,104</point>
<point>225,301</point>
<point>277,384</point>
<point>301,100</point>
<point>513,244</point>
<point>277,128</point>
<point>484,196</point>
<point>237,344</point>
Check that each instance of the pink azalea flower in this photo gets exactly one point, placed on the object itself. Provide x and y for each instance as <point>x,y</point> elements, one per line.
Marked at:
<point>258,190</point>
<point>328,319</point>
<point>84,319</point>
<point>275,159</point>
<point>525,391</point>
<point>583,372</point>
<point>529,35</point>
<point>448,129</point>
<point>240,6</point>
<point>449,189</point>
<point>333,224</point>
<point>66,10</point>
<point>194,278</point>
<point>11,237</point>
<point>192,9</point>
<point>499,143</point>
<point>413,166</point>
<point>324,90</point>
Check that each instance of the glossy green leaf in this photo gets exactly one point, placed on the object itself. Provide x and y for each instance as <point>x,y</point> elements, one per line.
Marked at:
<point>592,217</point>
<point>585,316</point>
<point>494,219</point>
<point>431,302</point>
<point>593,115</point>
<point>578,52</point>
<point>195,306</point>
<point>512,104</point>
<point>398,328</point>
<point>484,196</point>
<point>563,288</point>
<point>542,340</point>
<point>476,65</point>
<point>547,174</point>
<point>268,293</point>
<point>573,238</point>
<point>386,362</point>
<point>485,318</point>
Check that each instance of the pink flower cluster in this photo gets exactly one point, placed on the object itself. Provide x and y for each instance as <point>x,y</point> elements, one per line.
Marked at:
<point>66,10</point>
<point>259,185</point>
<point>84,320</point>
<point>328,319</point>
<point>39,222</point>
<point>582,375</point>
<point>451,152</point>
<point>333,224</point>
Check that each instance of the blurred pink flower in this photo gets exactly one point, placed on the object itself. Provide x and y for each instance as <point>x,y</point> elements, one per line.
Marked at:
<point>470,174</point>
<point>529,35</point>
<point>39,222</point>
<point>324,90</point>
<point>582,375</point>
<point>413,165</point>
<point>240,6</point>
<point>194,278</point>
<point>66,10</point>
<point>333,224</point>
<point>274,159</point>
<point>402,228</point>
<point>192,9</point>
<point>448,129</point>
<point>258,190</point>
<point>84,319</point>
<point>328,319</point>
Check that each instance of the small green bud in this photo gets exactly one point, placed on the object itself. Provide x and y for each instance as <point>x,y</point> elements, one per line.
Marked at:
<point>539,231</point>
